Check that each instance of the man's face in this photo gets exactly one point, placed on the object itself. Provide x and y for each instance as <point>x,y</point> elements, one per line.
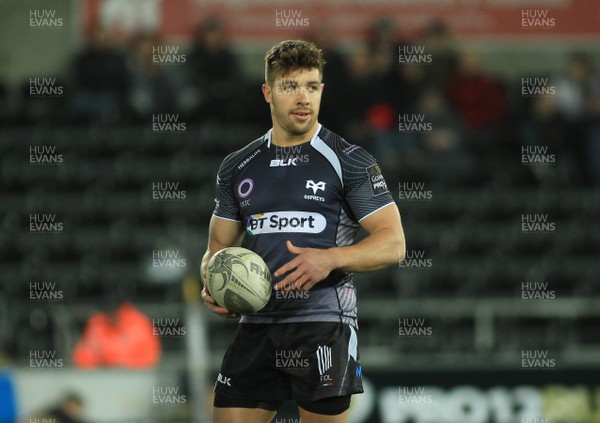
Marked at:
<point>294,100</point>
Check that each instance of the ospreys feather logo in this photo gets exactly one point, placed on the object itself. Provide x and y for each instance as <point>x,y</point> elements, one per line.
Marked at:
<point>310,184</point>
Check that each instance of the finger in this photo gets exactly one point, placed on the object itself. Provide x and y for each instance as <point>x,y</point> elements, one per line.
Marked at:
<point>308,284</point>
<point>301,282</point>
<point>206,297</point>
<point>212,305</point>
<point>292,248</point>
<point>227,313</point>
<point>289,266</point>
<point>221,311</point>
<point>288,283</point>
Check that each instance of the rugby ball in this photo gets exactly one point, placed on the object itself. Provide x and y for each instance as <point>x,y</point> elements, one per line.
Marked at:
<point>239,280</point>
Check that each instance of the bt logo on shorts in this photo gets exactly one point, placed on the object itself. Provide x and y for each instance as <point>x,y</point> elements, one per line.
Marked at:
<point>224,380</point>
<point>285,222</point>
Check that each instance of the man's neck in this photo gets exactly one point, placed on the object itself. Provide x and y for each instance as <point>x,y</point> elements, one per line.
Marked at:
<point>282,138</point>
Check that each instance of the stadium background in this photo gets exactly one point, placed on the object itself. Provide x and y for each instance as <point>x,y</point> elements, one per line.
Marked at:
<point>489,139</point>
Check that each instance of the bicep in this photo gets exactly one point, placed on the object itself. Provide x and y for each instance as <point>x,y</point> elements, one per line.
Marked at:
<point>387,217</point>
<point>224,233</point>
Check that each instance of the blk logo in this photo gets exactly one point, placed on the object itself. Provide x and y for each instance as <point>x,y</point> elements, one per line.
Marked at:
<point>310,184</point>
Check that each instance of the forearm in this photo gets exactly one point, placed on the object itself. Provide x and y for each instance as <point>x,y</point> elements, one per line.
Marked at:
<point>380,249</point>
<point>222,234</point>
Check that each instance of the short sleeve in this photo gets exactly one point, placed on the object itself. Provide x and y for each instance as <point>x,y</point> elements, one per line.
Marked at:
<point>364,185</point>
<point>226,205</point>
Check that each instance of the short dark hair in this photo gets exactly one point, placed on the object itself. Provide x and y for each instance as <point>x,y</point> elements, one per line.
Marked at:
<point>291,55</point>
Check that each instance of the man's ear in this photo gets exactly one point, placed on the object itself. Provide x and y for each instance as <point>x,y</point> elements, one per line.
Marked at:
<point>266,90</point>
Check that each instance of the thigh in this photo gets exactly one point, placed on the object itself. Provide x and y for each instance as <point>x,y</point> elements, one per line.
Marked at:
<point>310,417</point>
<point>242,415</point>
<point>325,410</point>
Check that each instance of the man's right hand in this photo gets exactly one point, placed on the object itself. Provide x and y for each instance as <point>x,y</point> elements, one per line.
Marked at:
<point>212,305</point>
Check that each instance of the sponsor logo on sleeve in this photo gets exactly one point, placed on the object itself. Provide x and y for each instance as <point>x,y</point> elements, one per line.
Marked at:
<point>376,181</point>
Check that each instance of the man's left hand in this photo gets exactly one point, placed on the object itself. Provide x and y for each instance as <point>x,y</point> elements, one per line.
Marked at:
<point>310,266</point>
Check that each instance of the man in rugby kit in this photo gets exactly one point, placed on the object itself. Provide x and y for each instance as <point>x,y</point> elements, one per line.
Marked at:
<point>297,197</point>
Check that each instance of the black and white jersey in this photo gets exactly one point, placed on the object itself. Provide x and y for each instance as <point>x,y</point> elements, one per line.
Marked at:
<point>313,194</point>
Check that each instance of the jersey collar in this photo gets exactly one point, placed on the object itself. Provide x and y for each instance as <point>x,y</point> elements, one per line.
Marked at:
<point>314,137</point>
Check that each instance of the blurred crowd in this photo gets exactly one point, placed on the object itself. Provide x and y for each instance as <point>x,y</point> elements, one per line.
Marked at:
<point>472,124</point>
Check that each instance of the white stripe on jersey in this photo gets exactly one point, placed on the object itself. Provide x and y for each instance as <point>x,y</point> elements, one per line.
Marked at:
<point>327,152</point>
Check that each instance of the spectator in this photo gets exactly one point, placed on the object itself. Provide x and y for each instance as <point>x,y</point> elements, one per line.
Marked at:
<point>406,85</point>
<point>154,89</point>
<point>477,97</point>
<point>357,102</point>
<point>214,71</point>
<point>575,92</point>
<point>120,336</point>
<point>383,45</point>
<point>439,42</point>
<point>101,79</point>
<point>573,86</point>
<point>336,82</point>
<point>545,126</point>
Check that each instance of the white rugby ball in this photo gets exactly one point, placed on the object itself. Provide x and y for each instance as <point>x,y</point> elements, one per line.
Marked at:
<point>239,280</point>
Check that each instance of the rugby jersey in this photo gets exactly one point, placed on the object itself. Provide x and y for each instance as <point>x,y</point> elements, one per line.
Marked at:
<point>313,194</point>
